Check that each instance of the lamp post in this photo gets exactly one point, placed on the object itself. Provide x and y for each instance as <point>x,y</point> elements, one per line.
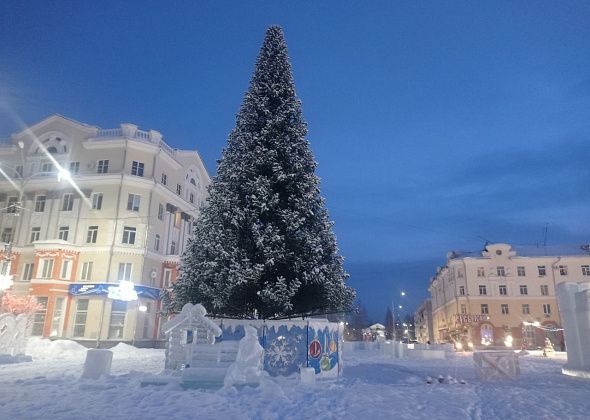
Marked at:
<point>402,294</point>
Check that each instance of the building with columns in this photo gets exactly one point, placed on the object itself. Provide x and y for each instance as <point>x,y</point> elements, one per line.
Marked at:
<point>504,294</point>
<point>84,208</point>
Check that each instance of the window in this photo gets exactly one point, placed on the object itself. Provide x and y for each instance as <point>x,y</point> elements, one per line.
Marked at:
<point>40,203</point>
<point>481,272</point>
<point>160,211</point>
<point>5,267</point>
<point>7,235</point>
<point>35,234</point>
<point>92,234</point>
<point>172,248</point>
<point>503,289</point>
<point>544,290</point>
<point>80,318</point>
<point>462,290</point>
<point>177,219</point>
<point>46,268</point>
<point>133,202</point>
<point>164,179</point>
<point>178,189</point>
<point>66,267</point>
<point>526,310</point>
<point>63,233</point>
<point>39,317</point>
<point>129,235</point>
<point>125,271</point>
<point>524,289</point>
<point>463,308</point>
<point>520,271</point>
<point>74,168</point>
<point>86,271</point>
<point>12,205</point>
<point>191,198</point>
<point>96,201</point>
<point>47,167</point>
<point>167,281</point>
<point>57,319</point>
<point>484,308</point>
<point>157,242</point>
<point>28,271</point>
<point>542,271</point>
<point>547,309</point>
<point>482,290</point>
<point>504,308</point>
<point>117,322</point>
<point>68,202</point>
<point>500,271</point>
<point>137,168</point>
<point>102,167</point>
<point>563,270</point>
<point>586,270</point>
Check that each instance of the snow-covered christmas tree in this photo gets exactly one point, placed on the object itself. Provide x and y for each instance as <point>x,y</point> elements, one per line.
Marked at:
<point>264,243</point>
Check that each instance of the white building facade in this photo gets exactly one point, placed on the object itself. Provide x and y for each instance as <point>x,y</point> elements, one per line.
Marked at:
<point>504,294</point>
<point>423,322</point>
<point>125,215</point>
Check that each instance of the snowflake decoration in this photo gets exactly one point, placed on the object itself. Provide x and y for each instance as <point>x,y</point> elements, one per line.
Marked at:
<point>280,354</point>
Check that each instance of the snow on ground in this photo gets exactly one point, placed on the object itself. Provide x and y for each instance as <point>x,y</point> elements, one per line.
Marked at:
<point>50,387</point>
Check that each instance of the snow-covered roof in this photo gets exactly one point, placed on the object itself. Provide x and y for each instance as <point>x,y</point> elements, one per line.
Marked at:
<point>189,314</point>
<point>531,251</point>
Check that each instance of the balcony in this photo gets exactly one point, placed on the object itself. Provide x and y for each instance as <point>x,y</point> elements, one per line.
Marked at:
<point>132,132</point>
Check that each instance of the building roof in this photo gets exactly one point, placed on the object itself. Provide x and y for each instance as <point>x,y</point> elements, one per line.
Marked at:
<point>531,251</point>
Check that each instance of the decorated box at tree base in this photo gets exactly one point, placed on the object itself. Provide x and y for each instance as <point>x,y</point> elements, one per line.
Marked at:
<point>290,345</point>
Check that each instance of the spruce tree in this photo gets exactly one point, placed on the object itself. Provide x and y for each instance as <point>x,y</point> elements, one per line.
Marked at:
<point>264,241</point>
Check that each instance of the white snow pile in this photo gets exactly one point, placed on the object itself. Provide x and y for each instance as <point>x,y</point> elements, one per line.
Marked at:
<point>42,348</point>
<point>372,385</point>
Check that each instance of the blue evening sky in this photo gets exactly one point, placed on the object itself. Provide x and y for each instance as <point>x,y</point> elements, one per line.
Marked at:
<point>436,125</point>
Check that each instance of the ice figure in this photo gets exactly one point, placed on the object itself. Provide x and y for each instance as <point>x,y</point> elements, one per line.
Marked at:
<point>248,367</point>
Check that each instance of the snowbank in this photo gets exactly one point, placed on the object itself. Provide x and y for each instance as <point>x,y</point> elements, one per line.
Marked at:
<point>42,348</point>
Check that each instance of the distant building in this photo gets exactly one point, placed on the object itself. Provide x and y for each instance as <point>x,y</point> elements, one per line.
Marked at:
<point>126,215</point>
<point>504,294</point>
<point>423,322</point>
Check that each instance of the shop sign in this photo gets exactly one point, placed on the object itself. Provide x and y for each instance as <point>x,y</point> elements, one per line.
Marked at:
<point>102,289</point>
<point>470,318</point>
